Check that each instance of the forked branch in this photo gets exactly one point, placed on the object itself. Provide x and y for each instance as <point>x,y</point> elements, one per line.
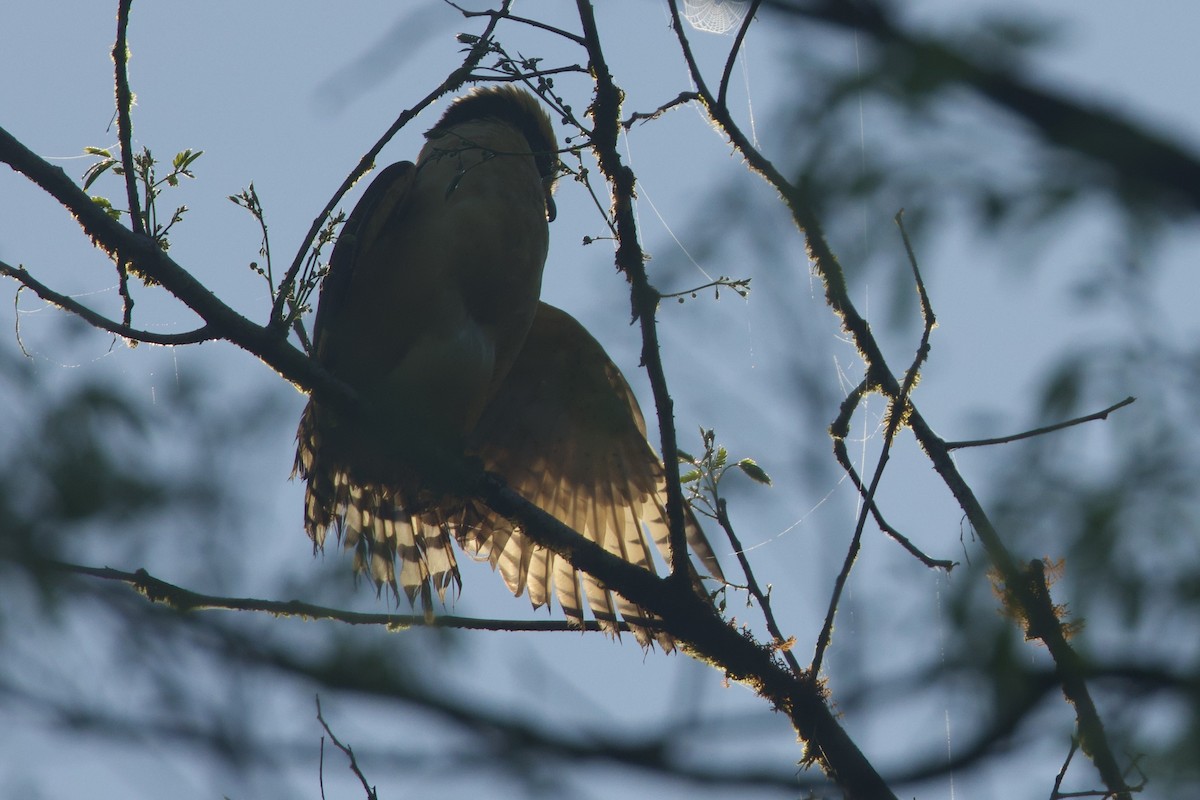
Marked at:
<point>1023,601</point>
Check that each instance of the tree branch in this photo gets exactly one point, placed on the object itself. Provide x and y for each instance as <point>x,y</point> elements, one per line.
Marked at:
<point>185,600</point>
<point>349,753</point>
<point>681,99</point>
<point>782,643</point>
<point>838,431</point>
<point>1019,595</point>
<point>1042,431</point>
<point>631,260</point>
<point>120,56</point>
<point>66,303</point>
<point>149,260</point>
<point>533,23</point>
<point>723,91</point>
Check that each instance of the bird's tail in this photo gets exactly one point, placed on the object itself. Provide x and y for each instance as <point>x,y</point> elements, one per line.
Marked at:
<point>399,542</point>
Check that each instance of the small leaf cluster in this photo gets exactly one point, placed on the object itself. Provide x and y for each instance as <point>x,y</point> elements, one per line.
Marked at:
<point>248,199</point>
<point>702,482</point>
<point>299,298</point>
<point>148,185</point>
<point>298,292</point>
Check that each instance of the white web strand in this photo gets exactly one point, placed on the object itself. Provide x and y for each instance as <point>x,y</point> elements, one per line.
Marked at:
<point>643,194</point>
<point>746,81</point>
<point>941,627</point>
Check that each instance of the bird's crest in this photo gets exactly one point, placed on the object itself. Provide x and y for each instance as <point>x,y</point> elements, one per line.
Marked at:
<point>513,107</point>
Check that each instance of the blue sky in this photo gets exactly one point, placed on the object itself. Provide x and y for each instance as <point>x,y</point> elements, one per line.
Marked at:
<point>288,96</point>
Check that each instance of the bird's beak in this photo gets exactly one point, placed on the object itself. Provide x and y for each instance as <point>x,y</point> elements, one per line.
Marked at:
<point>551,209</point>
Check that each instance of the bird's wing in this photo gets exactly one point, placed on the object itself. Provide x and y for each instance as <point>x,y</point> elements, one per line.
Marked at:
<point>373,518</point>
<point>379,204</point>
<point>565,431</point>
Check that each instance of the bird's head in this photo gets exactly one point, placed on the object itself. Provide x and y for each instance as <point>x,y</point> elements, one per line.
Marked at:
<point>522,111</point>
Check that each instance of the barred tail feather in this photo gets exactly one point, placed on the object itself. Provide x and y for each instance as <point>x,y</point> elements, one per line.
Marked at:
<point>400,546</point>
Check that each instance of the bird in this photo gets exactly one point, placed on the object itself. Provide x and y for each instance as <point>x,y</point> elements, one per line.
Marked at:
<point>431,311</point>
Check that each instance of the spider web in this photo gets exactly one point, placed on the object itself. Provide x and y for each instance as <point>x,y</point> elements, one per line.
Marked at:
<point>715,16</point>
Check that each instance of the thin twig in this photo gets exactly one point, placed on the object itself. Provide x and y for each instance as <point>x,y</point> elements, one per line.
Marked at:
<point>763,598</point>
<point>176,597</point>
<point>124,100</point>
<point>839,430</point>
<point>927,316</point>
<point>202,334</point>
<point>1058,426</point>
<point>897,413</point>
<point>684,97</point>
<point>581,176</point>
<point>523,20</point>
<point>722,93</point>
<point>1062,773</point>
<point>739,285</point>
<point>321,768</point>
<point>370,790</point>
<point>843,576</point>
<point>508,77</point>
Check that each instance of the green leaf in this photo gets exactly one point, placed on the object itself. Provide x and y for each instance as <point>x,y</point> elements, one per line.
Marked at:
<point>690,477</point>
<point>95,171</point>
<point>685,457</point>
<point>754,471</point>
<point>97,151</point>
<point>108,207</point>
<point>185,159</point>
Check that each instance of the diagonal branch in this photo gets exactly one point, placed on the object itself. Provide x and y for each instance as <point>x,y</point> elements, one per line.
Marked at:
<point>784,644</point>
<point>150,260</point>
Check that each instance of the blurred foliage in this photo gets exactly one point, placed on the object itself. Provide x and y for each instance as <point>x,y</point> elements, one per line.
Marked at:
<point>92,474</point>
<point>1118,501</point>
